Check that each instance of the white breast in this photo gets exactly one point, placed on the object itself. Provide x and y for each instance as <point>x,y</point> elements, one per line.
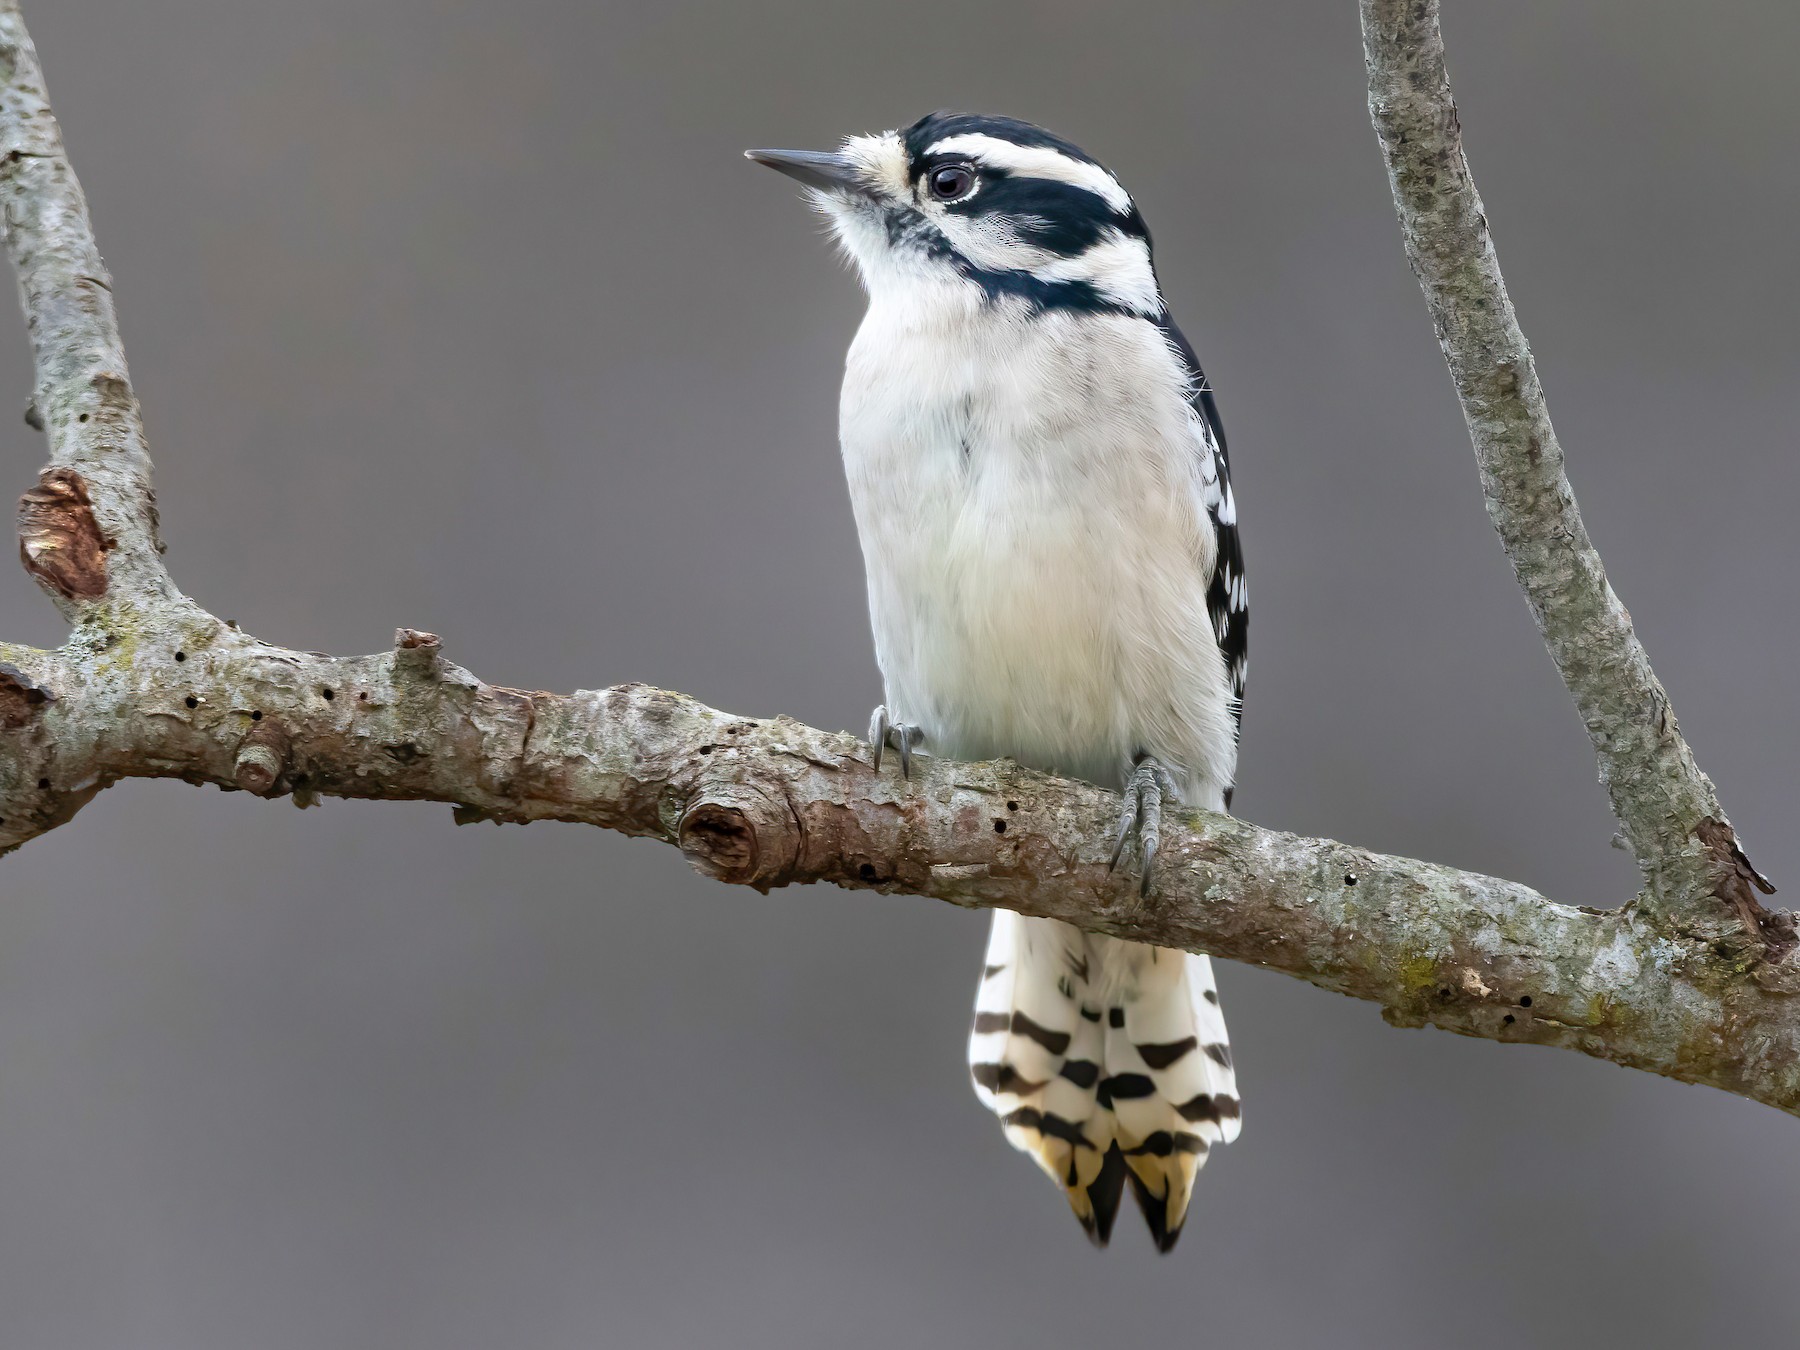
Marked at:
<point>1029,497</point>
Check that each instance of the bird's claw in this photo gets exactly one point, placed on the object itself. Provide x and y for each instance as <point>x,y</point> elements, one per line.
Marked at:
<point>1141,815</point>
<point>900,735</point>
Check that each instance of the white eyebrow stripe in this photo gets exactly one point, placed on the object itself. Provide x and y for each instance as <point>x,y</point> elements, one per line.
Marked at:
<point>1037,161</point>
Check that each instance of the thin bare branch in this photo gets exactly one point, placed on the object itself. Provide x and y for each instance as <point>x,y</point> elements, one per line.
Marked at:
<point>83,398</point>
<point>1671,816</point>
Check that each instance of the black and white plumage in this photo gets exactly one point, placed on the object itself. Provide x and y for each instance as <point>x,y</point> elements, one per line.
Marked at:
<point>1041,488</point>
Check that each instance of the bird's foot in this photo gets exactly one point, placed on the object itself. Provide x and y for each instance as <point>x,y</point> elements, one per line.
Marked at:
<point>1142,815</point>
<point>899,735</point>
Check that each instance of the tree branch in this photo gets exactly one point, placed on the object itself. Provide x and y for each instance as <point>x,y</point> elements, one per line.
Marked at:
<point>772,803</point>
<point>83,398</point>
<point>1671,816</point>
<point>150,685</point>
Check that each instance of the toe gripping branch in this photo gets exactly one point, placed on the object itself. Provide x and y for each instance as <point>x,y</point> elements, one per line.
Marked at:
<point>899,735</point>
<point>1141,815</point>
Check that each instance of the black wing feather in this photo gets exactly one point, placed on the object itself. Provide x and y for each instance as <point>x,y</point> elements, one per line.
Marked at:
<point>1230,618</point>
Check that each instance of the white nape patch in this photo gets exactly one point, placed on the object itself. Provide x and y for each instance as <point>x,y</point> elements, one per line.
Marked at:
<point>1036,161</point>
<point>1118,266</point>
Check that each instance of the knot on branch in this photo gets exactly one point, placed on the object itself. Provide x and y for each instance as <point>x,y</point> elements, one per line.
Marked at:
<point>59,539</point>
<point>262,758</point>
<point>20,699</point>
<point>1736,883</point>
<point>416,651</point>
<point>112,387</point>
<point>739,834</point>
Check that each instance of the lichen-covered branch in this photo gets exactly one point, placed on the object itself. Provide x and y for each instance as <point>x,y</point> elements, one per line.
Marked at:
<point>150,685</point>
<point>83,398</point>
<point>771,803</point>
<point>1671,816</point>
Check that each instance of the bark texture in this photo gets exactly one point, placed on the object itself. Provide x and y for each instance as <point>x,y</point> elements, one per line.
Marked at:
<point>1668,809</point>
<point>1694,980</point>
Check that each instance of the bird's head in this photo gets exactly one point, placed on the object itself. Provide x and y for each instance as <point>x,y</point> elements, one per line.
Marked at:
<point>991,203</point>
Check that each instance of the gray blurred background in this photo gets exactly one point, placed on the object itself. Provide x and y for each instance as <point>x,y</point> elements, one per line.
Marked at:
<point>469,317</point>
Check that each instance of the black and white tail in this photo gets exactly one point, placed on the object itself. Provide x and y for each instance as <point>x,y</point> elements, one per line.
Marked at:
<point>1107,1062</point>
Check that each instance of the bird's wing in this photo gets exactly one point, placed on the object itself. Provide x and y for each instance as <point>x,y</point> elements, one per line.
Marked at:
<point>1227,599</point>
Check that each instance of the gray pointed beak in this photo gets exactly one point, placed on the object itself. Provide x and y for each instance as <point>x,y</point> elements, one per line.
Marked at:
<point>825,170</point>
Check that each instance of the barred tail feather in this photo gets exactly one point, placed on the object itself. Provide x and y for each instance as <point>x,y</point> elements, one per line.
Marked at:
<point>1106,1061</point>
<point>1170,1083</point>
<point>1035,1055</point>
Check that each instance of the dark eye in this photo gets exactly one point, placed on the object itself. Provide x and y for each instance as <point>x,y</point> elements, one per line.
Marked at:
<point>952,181</point>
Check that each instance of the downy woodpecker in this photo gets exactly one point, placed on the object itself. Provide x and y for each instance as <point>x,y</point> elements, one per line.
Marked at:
<point>1039,477</point>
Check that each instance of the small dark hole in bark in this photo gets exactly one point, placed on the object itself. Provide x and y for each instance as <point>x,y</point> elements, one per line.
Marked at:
<point>329,694</point>
<point>191,701</point>
<point>363,697</point>
<point>1525,1002</point>
<point>256,716</point>
<point>1349,878</point>
<point>43,785</point>
<point>1012,806</point>
<point>866,872</point>
<point>82,418</point>
<point>706,749</point>
<point>999,826</point>
<point>181,656</point>
<point>1508,1019</point>
<point>1444,994</point>
<point>299,780</point>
